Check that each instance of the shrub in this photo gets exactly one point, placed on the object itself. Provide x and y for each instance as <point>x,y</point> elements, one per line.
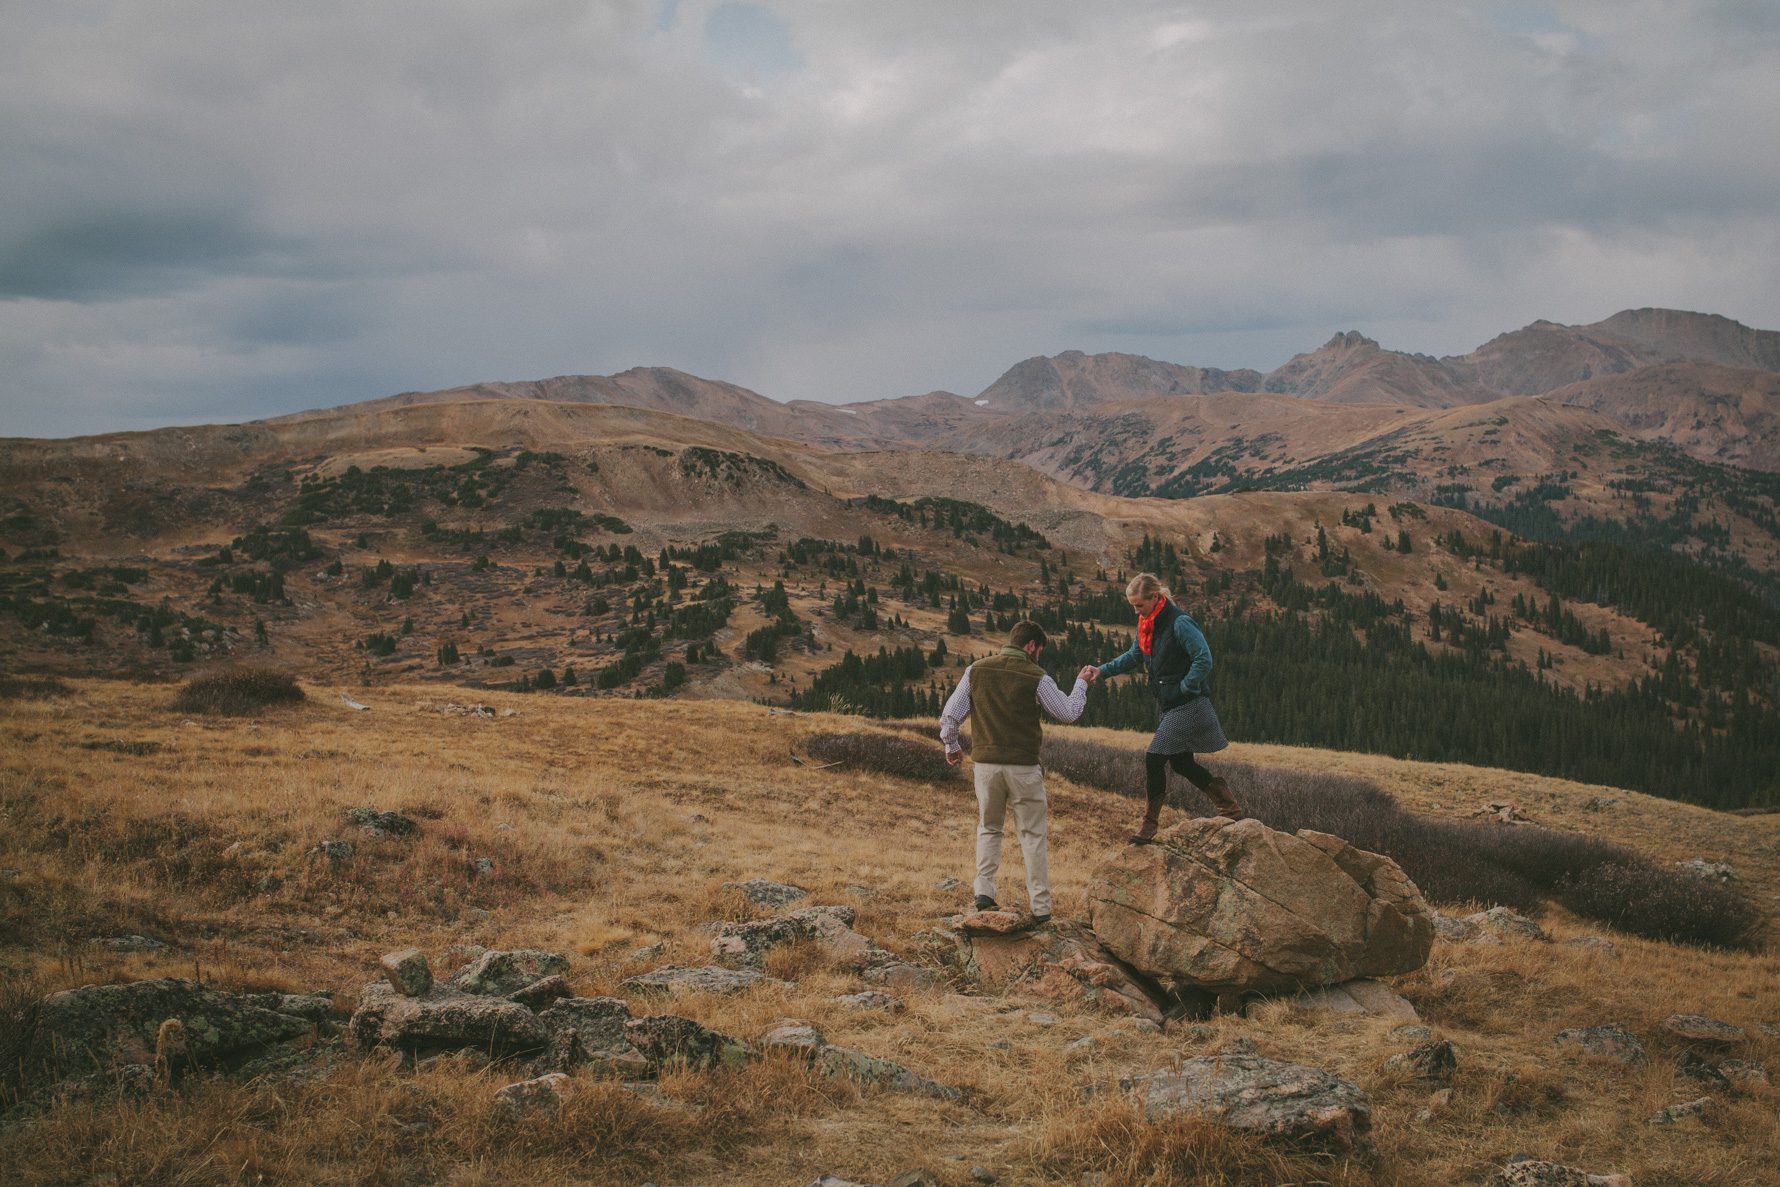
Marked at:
<point>23,688</point>
<point>886,754</point>
<point>1671,905</point>
<point>237,691</point>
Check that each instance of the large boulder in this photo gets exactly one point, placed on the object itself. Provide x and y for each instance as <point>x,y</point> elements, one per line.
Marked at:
<point>1262,1096</point>
<point>1231,907</point>
<point>100,1029</point>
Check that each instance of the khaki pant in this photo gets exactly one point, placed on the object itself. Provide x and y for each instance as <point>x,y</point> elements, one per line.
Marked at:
<point>1001,786</point>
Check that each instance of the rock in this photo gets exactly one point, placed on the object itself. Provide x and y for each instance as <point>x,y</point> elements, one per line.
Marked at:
<point>1432,1062</point>
<point>998,923</point>
<point>1681,1112</point>
<point>920,1177</point>
<point>776,895</point>
<point>1592,943</point>
<point>445,1020</point>
<point>1146,1026</point>
<point>336,852</point>
<point>1252,1094</point>
<point>871,999</point>
<point>1697,1067</point>
<point>539,994</point>
<point>1599,803</point>
<point>745,945</point>
<point>497,973</point>
<point>1503,922</point>
<point>1081,1046</point>
<point>709,979</point>
<point>1745,1073</point>
<point>1241,1045</point>
<point>548,1092</point>
<point>835,1181</point>
<point>981,1174</point>
<point>1459,931</point>
<point>1038,1018</point>
<point>129,943</point>
<point>649,952</point>
<point>408,972</point>
<point>869,1069</point>
<point>590,1031</point>
<point>1502,814</point>
<point>1185,908</point>
<point>482,867</point>
<point>1532,1173</point>
<point>1717,871</point>
<point>380,824</point>
<point>794,1035</point>
<point>1358,997</point>
<point>311,1007</point>
<point>1064,962</point>
<point>99,1029</point>
<point>1610,1042</point>
<point>948,885</point>
<point>1413,1032</point>
<point>901,977</point>
<point>1697,1028</point>
<point>668,1039</point>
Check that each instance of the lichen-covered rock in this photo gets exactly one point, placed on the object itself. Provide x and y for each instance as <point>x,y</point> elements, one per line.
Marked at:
<point>793,1035</point>
<point>1538,1173</point>
<point>495,973</point>
<point>990,922</point>
<point>1500,921</point>
<point>408,972</point>
<point>98,1029</point>
<point>445,1020</point>
<point>869,1069</point>
<point>1683,1112</point>
<point>745,945</point>
<point>381,824</point>
<point>1432,1062</point>
<point>1609,1042</point>
<point>539,994</point>
<point>589,1031</point>
<point>709,979</point>
<point>870,999</point>
<point>545,1093</point>
<point>901,977</point>
<point>1697,1028</point>
<point>776,895</point>
<point>1264,1096</point>
<point>668,1040</point>
<point>1238,907</point>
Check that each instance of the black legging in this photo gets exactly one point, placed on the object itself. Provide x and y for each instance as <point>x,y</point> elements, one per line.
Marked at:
<point>1155,772</point>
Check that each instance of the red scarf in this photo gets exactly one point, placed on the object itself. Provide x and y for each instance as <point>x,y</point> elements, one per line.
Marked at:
<point>1146,626</point>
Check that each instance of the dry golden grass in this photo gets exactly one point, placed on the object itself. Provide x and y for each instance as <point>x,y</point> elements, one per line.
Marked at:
<point>614,824</point>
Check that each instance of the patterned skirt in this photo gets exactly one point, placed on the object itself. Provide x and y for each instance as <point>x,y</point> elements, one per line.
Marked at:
<point>1192,727</point>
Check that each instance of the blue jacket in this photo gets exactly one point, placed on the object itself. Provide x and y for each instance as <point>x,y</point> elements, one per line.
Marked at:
<point>1179,661</point>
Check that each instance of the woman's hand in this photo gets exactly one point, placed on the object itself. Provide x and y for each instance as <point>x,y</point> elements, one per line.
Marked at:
<point>1090,673</point>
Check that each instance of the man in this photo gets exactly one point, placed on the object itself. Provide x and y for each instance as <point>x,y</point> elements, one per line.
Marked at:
<point>1002,695</point>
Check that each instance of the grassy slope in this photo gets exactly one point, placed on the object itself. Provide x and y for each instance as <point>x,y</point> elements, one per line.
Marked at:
<point>625,819</point>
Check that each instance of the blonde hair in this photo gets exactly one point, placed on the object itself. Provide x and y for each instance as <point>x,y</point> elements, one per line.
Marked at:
<point>1146,585</point>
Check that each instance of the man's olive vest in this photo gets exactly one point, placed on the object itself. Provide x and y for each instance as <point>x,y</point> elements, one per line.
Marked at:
<point>1004,724</point>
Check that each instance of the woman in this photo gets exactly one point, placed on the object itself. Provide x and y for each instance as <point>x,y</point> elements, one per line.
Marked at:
<point>1170,646</point>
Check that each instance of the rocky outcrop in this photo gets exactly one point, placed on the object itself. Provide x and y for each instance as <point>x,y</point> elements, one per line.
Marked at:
<point>1238,907</point>
<point>1539,1173</point>
<point>709,979</point>
<point>497,973</point>
<point>1607,1042</point>
<point>746,945</point>
<point>1061,961</point>
<point>445,1020</point>
<point>1263,1096</point>
<point>169,1024</point>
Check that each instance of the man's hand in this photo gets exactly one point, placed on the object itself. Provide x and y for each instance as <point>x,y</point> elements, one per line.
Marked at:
<point>954,757</point>
<point>1090,673</point>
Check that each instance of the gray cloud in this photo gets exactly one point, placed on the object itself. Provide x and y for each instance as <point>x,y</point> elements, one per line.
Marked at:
<point>216,211</point>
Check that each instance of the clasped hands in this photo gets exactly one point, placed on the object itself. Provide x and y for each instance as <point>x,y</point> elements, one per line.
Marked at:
<point>1089,672</point>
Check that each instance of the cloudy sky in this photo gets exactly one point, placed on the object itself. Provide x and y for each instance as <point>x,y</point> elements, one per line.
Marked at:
<point>213,210</point>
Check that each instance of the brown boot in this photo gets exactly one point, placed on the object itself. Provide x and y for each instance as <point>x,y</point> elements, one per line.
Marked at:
<point>1152,816</point>
<point>1218,792</point>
